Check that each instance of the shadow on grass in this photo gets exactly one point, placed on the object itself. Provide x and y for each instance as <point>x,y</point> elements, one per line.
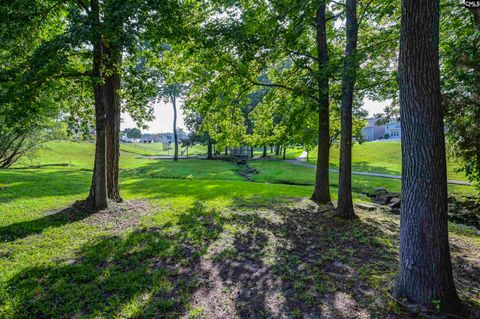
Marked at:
<point>300,263</point>
<point>28,184</point>
<point>363,166</point>
<point>24,229</point>
<point>145,273</point>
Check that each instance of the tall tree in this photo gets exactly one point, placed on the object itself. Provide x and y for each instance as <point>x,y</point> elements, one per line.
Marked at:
<point>170,93</point>
<point>321,191</point>
<point>98,197</point>
<point>425,274</point>
<point>345,202</point>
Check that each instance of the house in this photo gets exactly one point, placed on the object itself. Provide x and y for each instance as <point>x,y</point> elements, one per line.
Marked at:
<point>375,131</point>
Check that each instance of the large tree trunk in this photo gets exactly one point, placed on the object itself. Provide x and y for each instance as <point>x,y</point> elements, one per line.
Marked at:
<point>251,151</point>
<point>264,155</point>
<point>345,202</point>
<point>175,136</point>
<point>425,274</point>
<point>321,191</point>
<point>476,15</point>
<point>98,198</point>
<point>209,149</point>
<point>112,98</point>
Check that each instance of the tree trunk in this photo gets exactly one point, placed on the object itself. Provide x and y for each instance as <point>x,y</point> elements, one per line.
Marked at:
<point>476,15</point>
<point>264,155</point>
<point>209,149</point>
<point>226,151</point>
<point>284,152</point>
<point>112,98</point>
<point>98,198</point>
<point>251,151</point>
<point>345,202</point>
<point>425,273</point>
<point>175,136</point>
<point>277,150</point>
<point>321,192</point>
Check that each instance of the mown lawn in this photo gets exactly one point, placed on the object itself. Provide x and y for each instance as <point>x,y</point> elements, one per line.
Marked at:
<point>193,239</point>
<point>380,157</point>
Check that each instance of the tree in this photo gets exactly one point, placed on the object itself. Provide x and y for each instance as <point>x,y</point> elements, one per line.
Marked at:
<point>460,87</point>
<point>425,274</point>
<point>345,202</point>
<point>170,93</point>
<point>98,197</point>
<point>321,191</point>
<point>133,132</point>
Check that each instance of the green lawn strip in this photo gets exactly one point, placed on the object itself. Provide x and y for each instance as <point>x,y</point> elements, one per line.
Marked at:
<point>380,157</point>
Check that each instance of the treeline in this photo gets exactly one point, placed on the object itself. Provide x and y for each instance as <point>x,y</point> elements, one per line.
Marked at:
<point>258,73</point>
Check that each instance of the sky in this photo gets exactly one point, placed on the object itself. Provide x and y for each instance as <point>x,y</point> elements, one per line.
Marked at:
<point>164,116</point>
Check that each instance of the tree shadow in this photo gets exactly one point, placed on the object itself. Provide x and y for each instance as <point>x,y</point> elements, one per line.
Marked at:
<point>149,272</point>
<point>28,184</point>
<point>299,263</point>
<point>24,229</point>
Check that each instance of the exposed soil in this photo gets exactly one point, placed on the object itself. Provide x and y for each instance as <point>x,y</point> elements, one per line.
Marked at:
<point>118,217</point>
<point>300,261</point>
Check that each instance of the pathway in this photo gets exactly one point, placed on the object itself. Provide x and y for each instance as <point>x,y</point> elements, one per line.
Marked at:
<point>300,161</point>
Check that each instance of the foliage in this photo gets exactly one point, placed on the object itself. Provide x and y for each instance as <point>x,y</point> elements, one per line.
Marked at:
<point>133,132</point>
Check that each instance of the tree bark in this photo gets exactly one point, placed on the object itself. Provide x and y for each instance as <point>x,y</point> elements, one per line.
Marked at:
<point>112,98</point>
<point>251,151</point>
<point>425,273</point>
<point>209,149</point>
<point>277,150</point>
<point>98,198</point>
<point>321,192</point>
<point>345,202</point>
<point>284,152</point>
<point>175,136</point>
<point>264,155</point>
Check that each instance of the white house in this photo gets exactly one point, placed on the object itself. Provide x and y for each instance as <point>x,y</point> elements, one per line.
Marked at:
<point>374,131</point>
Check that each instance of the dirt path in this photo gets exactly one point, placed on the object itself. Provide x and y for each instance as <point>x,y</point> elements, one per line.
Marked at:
<point>300,161</point>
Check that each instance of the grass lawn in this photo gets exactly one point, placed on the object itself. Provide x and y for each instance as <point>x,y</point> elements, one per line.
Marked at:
<point>380,157</point>
<point>149,149</point>
<point>194,240</point>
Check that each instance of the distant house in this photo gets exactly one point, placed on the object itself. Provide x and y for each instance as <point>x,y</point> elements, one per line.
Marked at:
<point>374,131</point>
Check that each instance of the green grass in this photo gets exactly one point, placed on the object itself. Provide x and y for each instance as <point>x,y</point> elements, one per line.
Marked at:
<point>380,157</point>
<point>151,149</point>
<point>57,263</point>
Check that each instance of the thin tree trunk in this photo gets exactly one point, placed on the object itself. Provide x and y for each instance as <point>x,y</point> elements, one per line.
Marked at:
<point>98,198</point>
<point>209,149</point>
<point>264,155</point>
<point>226,151</point>
<point>345,202</point>
<point>175,136</point>
<point>425,273</point>
<point>251,151</point>
<point>277,150</point>
<point>112,98</point>
<point>284,152</point>
<point>321,191</point>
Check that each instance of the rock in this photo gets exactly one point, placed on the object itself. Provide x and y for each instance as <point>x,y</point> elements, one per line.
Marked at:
<point>365,206</point>
<point>394,203</point>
